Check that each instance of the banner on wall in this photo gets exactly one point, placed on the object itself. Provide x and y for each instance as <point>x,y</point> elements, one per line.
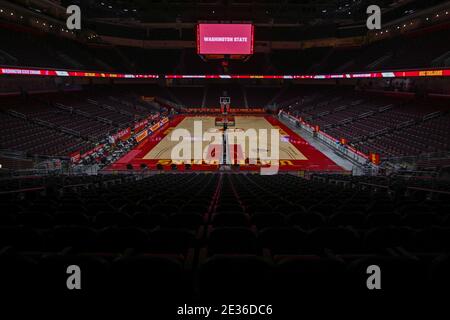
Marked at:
<point>357,152</point>
<point>155,127</point>
<point>90,152</point>
<point>158,125</point>
<point>203,110</point>
<point>375,158</point>
<point>164,121</point>
<point>52,165</point>
<point>147,99</point>
<point>140,125</point>
<point>231,110</point>
<point>122,135</point>
<point>75,157</point>
<point>141,136</point>
<point>69,73</point>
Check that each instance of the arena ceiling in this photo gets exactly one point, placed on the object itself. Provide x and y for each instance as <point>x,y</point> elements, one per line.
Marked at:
<point>259,11</point>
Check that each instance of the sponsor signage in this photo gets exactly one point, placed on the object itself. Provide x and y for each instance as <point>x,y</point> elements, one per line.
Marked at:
<point>140,125</point>
<point>75,157</point>
<point>68,73</point>
<point>141,136</point>
<point>355,75</point>
<point>90,152</point>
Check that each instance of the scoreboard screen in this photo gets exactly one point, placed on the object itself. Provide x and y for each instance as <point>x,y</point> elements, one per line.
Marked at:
<point>217,38</point>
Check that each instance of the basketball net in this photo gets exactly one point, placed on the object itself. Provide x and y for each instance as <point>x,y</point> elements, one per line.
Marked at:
<point>224,105</point>
<point>223,108</point>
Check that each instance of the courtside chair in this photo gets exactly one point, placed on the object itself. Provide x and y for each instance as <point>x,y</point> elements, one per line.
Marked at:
<point>381,239</point>
<point>380,219</point>
<point>269,219</point>
<point>276,242</point>
<point>21,238</point>
<point>77,238</point>
<point>160,277</point>
<point>72,218</point>
<point>308,275</point>
<point>340,240</point>
<point>149,220</point>
<point>178,243</point>
<point>308,220</point>
<point>230,219</point>
<point>119,239</point>
<point>229,240</point>
<point>342,219</point>
<point>19,274</point>
<point>229,277</point>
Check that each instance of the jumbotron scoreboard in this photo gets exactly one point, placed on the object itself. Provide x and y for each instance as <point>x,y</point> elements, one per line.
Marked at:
<point>233,41</point>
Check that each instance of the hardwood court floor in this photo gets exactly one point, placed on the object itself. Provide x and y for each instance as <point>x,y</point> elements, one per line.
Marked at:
<point>287,151</point>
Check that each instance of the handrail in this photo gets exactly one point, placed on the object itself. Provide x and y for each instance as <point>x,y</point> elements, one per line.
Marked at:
<point>22,190</point>
<point>374,185</point>
<point>429,190</point>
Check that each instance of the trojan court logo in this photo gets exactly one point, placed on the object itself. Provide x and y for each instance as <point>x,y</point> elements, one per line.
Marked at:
<point>231,146</point>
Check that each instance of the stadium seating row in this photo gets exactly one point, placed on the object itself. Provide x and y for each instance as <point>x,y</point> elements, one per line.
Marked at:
<point>202,235</point>
<point>76,121</point>
<point>391,127</point>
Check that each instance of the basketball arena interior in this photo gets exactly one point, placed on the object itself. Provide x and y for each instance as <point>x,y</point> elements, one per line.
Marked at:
<point>208,152</point>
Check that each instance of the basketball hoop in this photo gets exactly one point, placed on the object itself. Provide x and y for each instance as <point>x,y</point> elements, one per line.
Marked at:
<point>225,103</point>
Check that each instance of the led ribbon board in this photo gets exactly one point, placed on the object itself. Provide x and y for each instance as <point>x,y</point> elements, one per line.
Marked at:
<point>355,75</point>
<point>68,73</point>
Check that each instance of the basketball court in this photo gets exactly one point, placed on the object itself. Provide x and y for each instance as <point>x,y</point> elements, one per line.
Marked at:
<point>287,150</point>
<point>294,152</point>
